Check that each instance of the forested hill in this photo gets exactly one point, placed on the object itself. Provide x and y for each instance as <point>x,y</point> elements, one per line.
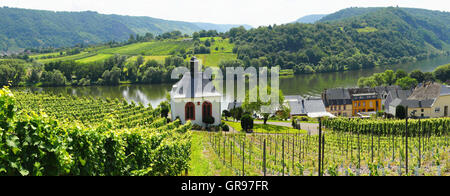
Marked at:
<point>24,28</point>
<point>382,36</point>
<point>310,18</point>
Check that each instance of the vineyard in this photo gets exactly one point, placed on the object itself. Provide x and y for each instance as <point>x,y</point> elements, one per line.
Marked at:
<point>50,134</point>
<point>43,134</point>
<point>367,149</point>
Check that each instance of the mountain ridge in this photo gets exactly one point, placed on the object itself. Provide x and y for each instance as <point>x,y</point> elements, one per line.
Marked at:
<point>26,28</point>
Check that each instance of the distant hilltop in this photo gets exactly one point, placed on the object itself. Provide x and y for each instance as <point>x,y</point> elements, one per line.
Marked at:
<point>26,28</point>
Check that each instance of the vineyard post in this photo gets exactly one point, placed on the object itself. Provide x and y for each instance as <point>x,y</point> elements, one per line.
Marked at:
<point>406,141</point>
<point>420,131</point>
<point>323,150</point>
<point>371,133</point>
<point>264,157</point>
<point>293,152</point>
<point>224,149</point>
<point>320,145</point>
<point>359,152</point>
<point>282,154</point>
<point>231,154</point>
<point>243,157</point>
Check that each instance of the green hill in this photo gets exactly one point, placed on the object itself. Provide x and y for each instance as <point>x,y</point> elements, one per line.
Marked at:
<point>353,38</point>
<point>311,18</point>
<point>24,28</point>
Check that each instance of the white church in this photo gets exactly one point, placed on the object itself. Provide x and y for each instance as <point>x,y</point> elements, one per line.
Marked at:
<point>194,98</point>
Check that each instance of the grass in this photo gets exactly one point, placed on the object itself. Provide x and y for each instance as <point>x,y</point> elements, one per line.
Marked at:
<point>148,58</point>
<point>367,30</point>
<point>204,162</point>
<point>68,58</point>
<point>155,48</point>
<point>98,57</point>
<point>215,58</point>
<point>261,128</point>
<point>286,72</point>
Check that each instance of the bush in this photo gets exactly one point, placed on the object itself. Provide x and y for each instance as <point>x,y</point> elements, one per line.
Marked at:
<point>400,112</point>
<point>225,128</point>
<point>247,123</point>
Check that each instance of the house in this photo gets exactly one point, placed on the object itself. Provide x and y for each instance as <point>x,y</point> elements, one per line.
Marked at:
<point>429,100</point>
<point>194,98</point>
<point>394,98</point>
<point>365,103</point>
<point>338,102</point>
<point>305,106</point>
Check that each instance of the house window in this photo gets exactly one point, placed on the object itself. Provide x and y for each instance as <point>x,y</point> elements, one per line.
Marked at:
<point>364,104</point>
<point>206,109</point>
<point>189,111</point>
<point>422,110</point>
<point>345,108</point>
<point>371,104</point>
<point>437,110</point>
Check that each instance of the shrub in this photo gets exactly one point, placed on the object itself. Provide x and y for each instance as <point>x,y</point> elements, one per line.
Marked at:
<point>225,128</point>
<point>247,123</point>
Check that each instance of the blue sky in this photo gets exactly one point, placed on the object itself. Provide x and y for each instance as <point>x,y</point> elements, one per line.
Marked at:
<point>252,12</point>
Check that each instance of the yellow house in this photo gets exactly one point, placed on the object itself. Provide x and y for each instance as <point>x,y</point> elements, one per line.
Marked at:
<point>366,102</point>
<point>430,100</point>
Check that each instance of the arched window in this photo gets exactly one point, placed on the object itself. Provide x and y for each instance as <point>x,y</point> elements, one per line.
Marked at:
<point>206,109</point>
<point>189,111</point>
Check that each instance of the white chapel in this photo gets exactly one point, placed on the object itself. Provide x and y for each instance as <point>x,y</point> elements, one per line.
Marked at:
<point>194,98</point>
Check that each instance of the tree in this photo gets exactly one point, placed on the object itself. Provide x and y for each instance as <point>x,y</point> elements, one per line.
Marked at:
<point>266,117</point>
<point>247,123</point>
<point>164,108</point>
<point>400,112</point>
<point>407,83</point>
<point>389,77</point>
<point>237,113</point>
<point>226,114</point>
<point>400,74</point>
<point>418,75</point>
<point>428,77</point>
<point>442,73</point>
<point>284,113</point>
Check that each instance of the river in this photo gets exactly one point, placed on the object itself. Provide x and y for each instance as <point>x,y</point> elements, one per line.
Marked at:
<point>305,85</point>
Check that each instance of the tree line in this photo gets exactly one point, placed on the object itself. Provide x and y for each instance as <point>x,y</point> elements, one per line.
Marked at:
<point>112,71</point>
<point>405,80</point>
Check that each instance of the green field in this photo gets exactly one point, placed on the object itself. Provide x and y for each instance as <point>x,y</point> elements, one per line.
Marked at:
<point>82,55</point>
<point>222,45</point>
<point>148,58</point>
<point>98,57</point>
<point>221,49</point>
<point>150,48</point>
<point>215,58</point>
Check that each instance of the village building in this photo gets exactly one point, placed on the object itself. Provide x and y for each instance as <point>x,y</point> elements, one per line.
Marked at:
<point>338,102</point>
<point>428,100</point>
<point>195,99</point>
<point>394,98</point>
<point>365,103</point>
<point>306,106</point>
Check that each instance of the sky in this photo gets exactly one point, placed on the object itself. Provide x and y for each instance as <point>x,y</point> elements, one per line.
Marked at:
<point>252,12</point>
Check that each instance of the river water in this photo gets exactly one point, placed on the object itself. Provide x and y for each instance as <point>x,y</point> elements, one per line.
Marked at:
<point>305,85</point>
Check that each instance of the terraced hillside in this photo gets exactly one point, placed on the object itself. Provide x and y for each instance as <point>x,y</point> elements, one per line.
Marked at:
<point>221,49</point>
